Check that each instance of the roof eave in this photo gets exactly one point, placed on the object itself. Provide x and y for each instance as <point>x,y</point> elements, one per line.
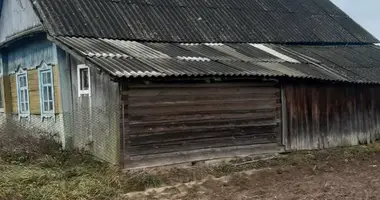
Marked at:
<point>21,35</point>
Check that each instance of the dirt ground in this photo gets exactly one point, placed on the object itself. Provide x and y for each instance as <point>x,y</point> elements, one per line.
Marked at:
<point>37,169</point>
<point>328,175</point>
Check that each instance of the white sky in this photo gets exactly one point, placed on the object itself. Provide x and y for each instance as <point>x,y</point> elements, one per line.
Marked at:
<point>364,12</point>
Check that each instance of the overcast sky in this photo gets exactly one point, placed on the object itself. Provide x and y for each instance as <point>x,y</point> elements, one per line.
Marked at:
<point>365,12</point>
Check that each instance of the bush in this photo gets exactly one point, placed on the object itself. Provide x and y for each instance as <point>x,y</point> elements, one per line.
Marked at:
<point>18,148</point>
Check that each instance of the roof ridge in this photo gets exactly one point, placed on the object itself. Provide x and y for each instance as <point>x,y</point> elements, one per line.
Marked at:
<point>293,43</point>
<point>233,21</point>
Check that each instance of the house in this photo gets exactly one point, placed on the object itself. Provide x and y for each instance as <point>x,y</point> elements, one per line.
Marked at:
<point>155,82</point>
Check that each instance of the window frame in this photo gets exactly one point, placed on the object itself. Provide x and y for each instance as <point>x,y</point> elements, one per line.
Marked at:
<point>44,68</point>
<point>80,90</point>
<point>2,105</point>
<point>23,73</point>
<point>2,109</point>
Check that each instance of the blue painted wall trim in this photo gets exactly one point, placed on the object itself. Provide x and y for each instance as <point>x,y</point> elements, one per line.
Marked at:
<point>29,54</point>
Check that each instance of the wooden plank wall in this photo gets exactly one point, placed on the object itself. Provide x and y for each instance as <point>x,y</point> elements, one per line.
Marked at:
<point>166,118</point>
<point>16,16</point>
<point>34,95</point>
<point>105,117</point>
<point>91,122</point>
<point>29,53</point>
<point>324,116</point>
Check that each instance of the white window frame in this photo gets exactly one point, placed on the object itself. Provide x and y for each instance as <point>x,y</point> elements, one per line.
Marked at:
<point>80,91</point>
<point>22,73</point>
<point>44,68</point>
<point>2,110</point>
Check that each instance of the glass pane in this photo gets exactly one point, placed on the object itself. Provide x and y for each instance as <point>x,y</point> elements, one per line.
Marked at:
<point>51,106</point>
<point>26,95</point>
<point>48,77</point>
<point>20,79</point>
<point>44,81</point>
<point>45,93</point>
<point>22,96</point>
<point>50,93</point>
<point>46,106</point>
<point>23,81</point>
<point>26,106</point>
<point>84,79</point>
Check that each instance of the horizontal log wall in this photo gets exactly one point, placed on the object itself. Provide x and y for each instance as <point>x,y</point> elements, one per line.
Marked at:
<point>324,116</point>
<point>178,117</point>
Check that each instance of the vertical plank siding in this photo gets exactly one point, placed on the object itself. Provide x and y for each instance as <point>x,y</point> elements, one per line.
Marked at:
<point>29,54</point>
<point>104,117</point>
<point>167,118</point>
<point>91,122</point>
<point>325,116</point>
<point>16,16</point>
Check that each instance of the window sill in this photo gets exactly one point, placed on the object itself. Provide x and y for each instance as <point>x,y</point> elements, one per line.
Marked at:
<point>84,92</point>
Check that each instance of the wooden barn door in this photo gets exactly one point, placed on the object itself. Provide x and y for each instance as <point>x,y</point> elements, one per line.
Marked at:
<point>172,118</point>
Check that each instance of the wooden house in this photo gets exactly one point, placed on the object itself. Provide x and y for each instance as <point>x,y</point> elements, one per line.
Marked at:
<point>158,82</point>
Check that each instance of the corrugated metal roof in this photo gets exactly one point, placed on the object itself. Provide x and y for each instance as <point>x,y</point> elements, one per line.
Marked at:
<point>254,53</point>
<point>125,67</point>
<point>171,67</point>
<point>209,52</point>
<point>253,68</point>
<point>136,49</point>
<point>244,21</point>
<point>93,47</point>
<point>357,63</point>
<point>351,63</point>
<point>174,50</point>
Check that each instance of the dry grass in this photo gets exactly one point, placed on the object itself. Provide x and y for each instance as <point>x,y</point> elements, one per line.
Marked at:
<point>37,169</point>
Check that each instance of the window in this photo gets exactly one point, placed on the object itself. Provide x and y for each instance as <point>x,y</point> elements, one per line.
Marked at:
<point>22,93</point>
<point>1,84</point>
<point>45,76</point>
<point>1,97</point>
<point>84,80</point>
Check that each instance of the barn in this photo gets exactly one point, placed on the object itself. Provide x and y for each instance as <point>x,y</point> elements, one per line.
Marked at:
<point>145,83</point>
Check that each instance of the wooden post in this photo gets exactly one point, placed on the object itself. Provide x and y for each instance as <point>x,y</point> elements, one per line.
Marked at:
<point>284,118</point>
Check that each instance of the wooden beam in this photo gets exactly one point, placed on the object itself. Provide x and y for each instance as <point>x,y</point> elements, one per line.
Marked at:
<point>284,117</point>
